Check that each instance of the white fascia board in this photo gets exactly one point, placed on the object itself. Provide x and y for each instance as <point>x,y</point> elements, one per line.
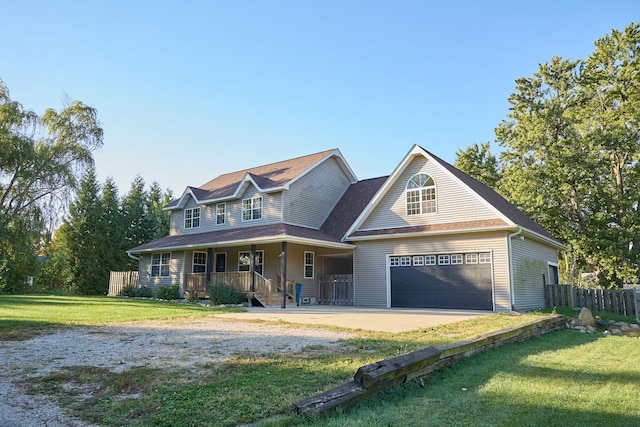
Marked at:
<point>341,162</point>
<point>544,239</point>
<point>182,199</point>
<point>290,239</point>
<point>430,233</point>
<point>415,150</point>
<point>469,189</point>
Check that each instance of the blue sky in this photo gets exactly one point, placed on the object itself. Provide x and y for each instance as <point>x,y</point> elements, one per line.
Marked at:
<point>189,90</point>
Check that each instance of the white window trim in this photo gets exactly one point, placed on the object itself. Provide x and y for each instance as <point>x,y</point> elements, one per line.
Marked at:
<point>458,257</point>
<point>193,261</point>
<point>191,211</point>
<point>252,209</point>
<point>249,252</point>
<point>160,265</point>
<point>473,254</point>
<point>394,261</point>
<point>549,265</point>
<point>485,261</point>
<point>405,261</point>
<point>312,265</point>
<point>420,201</point>
<point>444,259</point>
<point>222,205</point>
<point>430,260</point>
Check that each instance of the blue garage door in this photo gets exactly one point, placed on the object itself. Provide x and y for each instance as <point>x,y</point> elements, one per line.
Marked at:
<point>456,281</point>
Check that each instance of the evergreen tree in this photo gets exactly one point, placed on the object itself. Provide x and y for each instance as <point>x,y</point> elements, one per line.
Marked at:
<point>85,231</point>
<point>114,238</point>
<point>139,226</point>
<point>156,201</point>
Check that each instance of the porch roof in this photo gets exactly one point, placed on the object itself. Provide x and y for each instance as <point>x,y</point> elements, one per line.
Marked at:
<point>264,234</point>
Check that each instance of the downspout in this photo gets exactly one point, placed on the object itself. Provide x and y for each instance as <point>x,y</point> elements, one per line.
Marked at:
<point>510,257</point>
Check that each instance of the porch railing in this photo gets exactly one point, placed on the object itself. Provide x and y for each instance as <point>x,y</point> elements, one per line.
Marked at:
<point>240,280</point>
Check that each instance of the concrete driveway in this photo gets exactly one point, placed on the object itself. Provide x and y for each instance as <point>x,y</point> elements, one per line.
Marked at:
<point>370,319</point>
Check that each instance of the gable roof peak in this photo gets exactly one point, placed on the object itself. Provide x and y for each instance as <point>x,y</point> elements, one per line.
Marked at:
<point>270,177</point>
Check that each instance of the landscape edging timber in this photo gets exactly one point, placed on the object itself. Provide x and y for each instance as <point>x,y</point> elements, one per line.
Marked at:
<point>372,378</point>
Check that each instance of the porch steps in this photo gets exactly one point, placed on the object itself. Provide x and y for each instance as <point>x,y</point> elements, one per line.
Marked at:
<point>263,300</point>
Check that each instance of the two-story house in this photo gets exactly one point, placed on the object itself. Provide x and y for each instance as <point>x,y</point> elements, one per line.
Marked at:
<point>428,235</point>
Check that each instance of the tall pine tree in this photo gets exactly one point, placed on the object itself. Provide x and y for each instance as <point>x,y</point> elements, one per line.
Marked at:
<point>85,231</point>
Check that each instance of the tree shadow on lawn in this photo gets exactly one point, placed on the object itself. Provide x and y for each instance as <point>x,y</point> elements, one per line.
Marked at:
<point>526,383</point>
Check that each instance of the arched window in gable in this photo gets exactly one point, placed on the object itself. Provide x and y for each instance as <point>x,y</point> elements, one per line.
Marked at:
<point>421,195</point>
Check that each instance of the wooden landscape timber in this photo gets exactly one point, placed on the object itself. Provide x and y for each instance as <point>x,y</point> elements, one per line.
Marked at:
<point>372,378</point>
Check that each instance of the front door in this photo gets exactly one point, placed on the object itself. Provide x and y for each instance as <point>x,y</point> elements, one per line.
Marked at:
<point>221,262</point>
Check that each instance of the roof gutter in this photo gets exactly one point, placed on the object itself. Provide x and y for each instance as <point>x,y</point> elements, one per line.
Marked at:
<point>259,241</point>
<point>137,258</point>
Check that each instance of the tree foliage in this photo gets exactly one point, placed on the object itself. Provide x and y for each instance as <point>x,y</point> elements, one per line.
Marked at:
<point>478,162</point>
<point>41,161</point>
<point>101,227</point>
<point>571,150</point>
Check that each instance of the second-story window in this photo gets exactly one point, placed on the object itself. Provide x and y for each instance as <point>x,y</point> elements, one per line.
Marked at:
<point>421,195</point>
<point>221,211</point>
<point>252,209</point>
<point>192,218</point>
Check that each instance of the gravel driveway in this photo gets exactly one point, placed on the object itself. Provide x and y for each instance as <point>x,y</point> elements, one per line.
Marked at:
<point>120,347</point>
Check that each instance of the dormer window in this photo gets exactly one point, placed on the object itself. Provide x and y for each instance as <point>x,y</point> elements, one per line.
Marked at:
<point>421,195</point>
<point>192,218</point>
<point>252,209</point>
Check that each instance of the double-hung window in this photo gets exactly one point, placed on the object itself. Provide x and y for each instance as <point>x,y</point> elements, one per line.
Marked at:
<point>244,261</point>
<point>160,264</point>
<point>252,209</point>
<point>421,195</point>
<point>221,211</point>
<point>192,218</point>
<point>199,262</point>
<point>308,265</point>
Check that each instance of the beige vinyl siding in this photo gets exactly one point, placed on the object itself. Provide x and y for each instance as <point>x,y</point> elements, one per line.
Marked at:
<point>372,287</point>
<point>176,271</point>
<point>271,203</point>
<point>455,203</point>
<point>310,199</point>
<point>530,263</point>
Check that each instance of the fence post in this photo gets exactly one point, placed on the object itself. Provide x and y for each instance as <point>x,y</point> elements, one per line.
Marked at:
<point>571,297</point>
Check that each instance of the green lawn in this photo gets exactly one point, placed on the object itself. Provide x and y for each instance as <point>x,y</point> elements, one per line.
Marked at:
<point>22,315</point>
<point>563,378</point>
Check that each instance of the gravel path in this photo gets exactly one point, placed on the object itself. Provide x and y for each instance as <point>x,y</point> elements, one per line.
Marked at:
<point>120,347</point>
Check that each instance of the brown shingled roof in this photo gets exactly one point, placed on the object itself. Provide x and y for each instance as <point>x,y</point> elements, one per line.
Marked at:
<point>273,175</point>
<point>235,236</point>
<point>267,176</point>
<point>351,204</point>
<point>496,200</point>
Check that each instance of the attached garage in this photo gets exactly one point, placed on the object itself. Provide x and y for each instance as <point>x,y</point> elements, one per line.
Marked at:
<point>452,281</point>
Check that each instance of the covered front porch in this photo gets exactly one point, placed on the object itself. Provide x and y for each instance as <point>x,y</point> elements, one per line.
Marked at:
<point>268,273</point>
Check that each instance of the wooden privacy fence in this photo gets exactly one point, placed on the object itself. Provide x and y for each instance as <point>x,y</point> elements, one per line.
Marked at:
<point>121,279</point>
<point>619,301</point>
<point>336,289</point>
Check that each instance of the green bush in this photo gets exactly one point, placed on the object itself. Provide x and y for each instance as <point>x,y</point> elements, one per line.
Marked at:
<point>169,292</point>
<point>222,293</point>
<point>129,291</point>
<point>144,292</point>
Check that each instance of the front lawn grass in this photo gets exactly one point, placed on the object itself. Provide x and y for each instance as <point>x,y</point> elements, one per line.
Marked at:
<point>563,378</point>
<point>22,316</point>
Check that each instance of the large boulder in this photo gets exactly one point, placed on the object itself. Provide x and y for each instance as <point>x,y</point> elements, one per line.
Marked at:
<point>586,317</point>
